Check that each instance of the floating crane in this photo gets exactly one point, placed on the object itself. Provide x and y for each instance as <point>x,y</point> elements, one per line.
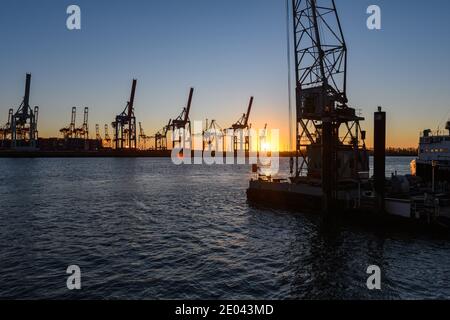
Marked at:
<point>330,150</point>
<point>69,132</point>
<point>240,127</point>
<point>321,104</point>
<point>161,137</point>
<point>181,122</point>
<point>125,125</point>
<point>24,122</point>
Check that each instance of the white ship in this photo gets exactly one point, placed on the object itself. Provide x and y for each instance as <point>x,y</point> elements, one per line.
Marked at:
<point>434,156</point>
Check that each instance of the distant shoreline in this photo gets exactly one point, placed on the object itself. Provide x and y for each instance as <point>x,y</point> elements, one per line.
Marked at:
<point>146,154</point>
<point>389,153</point>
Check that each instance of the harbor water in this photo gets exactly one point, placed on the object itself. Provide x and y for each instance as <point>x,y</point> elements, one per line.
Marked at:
<point>147,229</point>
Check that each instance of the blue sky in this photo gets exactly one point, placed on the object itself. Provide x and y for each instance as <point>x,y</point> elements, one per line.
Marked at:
<point>228,50</point>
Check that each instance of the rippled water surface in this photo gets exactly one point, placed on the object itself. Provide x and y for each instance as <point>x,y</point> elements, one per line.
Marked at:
<point>146,229</point>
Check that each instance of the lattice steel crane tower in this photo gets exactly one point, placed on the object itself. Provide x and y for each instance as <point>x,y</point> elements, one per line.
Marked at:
<point>328,133</point>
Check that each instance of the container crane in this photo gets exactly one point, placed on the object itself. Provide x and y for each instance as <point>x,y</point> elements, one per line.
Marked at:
<point>107,137</point>
<point>98,136</point>
<point>125,124</point>
<point>239,128</point>
<point>242,123</point>
<point>69,132</point>
<point>182,121</point>
<point>5,131</point>
<point>83,131</point>
<point>36,119</point>
<point>161,137</point>
<point>263,139</point>
<point>24,121</point>
<point>143,138</point>
<point>212,136</point>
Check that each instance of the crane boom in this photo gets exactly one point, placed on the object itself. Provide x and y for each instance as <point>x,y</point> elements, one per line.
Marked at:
<point>125,125</point>
<point>188,107</point>
<point>26,99</point>
<point>131,102</point>
<point>247,116</point>
<point>318,43</point>
<point>167,128</point>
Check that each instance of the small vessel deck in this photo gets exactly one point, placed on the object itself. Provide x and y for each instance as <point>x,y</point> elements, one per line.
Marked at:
<point>307,198</point>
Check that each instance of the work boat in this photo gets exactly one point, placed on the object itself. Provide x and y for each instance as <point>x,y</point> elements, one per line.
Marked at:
<point>433,162</point>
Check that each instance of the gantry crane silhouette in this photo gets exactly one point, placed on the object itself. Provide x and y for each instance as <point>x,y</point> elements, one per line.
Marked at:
<point>241,139</point>
<point>24,132</point>
<point>181,126</point>
<point>125,125</point>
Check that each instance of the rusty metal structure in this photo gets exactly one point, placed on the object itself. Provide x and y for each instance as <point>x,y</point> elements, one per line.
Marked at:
<point>330,144</point>
<point>125,136</point>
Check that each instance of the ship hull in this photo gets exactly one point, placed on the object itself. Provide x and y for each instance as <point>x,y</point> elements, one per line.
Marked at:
<point>281,196</point>
<point>300,197</point>
<point>425,171</point>
<point>303,198</point>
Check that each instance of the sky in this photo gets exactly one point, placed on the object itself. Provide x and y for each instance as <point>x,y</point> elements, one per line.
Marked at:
<point>228,51</point>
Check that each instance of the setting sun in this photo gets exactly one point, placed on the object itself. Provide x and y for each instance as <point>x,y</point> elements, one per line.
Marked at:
<point>265,146</point>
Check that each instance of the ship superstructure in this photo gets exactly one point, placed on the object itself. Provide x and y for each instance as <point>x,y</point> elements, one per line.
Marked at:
<point>434,156</point>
